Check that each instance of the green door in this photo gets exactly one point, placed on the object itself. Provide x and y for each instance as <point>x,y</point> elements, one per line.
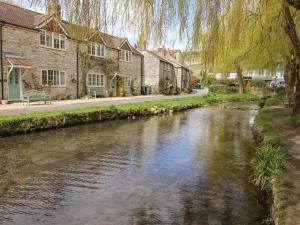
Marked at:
<point>14,85</point>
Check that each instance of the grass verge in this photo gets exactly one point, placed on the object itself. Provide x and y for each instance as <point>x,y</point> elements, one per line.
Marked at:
<point>15,124</point>
<point>270,164</point>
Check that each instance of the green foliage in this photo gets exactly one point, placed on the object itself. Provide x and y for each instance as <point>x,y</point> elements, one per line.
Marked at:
<point>258,83</point>
<point>198,70</point>
<point>134,87</point>
<point>87,97</point>
<point>268,166</point>
<point>208,79</point>
<point>166,88</point>
<point>273,102</point>
<point>293,121</point>
<point>264,121</point>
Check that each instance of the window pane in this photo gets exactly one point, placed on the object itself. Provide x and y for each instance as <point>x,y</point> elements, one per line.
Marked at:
<point>56,41</point>
<point>49,39</point>
<point>102,80</point>
<point>50,77</point>
<point>98,80</point>
<point>55,78</point>
<point>62,79</point>
<point>93,49</point>
<point>62,41</point>
<point>98,50</point>
<point>129,56</point>
<point>89,80</point>
<point>44,77</point>
<point>42,38</point>
<point>94,80</point>
<point>102,50</point>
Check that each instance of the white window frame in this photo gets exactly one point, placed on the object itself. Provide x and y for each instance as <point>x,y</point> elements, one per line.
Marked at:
<point>61,38</point>
<point>125,55</point>
<point>127,78</point>
<point>61,82</point>
<point>97,46</point>
<point>97,76</point>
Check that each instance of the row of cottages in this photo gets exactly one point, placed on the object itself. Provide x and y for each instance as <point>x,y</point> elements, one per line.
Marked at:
<point>165,68</point>
<point>65,60</point>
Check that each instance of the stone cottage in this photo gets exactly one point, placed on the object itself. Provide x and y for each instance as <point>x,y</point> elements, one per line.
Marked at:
<point>67,61</point>
<point>159,72</point>
<point>182,71</point>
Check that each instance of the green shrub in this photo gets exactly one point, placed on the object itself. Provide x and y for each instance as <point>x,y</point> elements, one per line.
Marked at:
<point>87,97</point>
<point>268,166</point>
<point>258,83</point>
<point>134,87</point>
<point>273,102</point>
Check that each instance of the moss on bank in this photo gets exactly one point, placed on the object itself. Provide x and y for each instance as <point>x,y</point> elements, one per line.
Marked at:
<point>17,124</point>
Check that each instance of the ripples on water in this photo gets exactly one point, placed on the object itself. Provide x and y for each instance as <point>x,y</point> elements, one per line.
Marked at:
<point>189,168</point>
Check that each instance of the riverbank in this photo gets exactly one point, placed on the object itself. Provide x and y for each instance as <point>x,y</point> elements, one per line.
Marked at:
<point>20,124</point>
<point>278,162</point>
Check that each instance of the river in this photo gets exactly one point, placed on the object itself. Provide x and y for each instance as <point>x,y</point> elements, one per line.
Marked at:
<point>191,167</point>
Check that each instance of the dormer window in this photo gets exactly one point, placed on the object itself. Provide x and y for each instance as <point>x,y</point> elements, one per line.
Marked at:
<point>52,40</point>
<point>125,55</point>
<point>96,49</point>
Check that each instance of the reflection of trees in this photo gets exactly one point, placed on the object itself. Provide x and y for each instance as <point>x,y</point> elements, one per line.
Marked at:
<point>223,151</point>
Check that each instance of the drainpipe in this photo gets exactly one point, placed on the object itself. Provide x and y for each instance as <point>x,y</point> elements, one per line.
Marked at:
<point>142,73</point>
<point>77,71</point>
<point>1,65</point>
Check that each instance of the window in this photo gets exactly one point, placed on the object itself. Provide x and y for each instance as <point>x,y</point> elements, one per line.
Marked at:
<point>95,80</point>
<point>53,77</point>
<point>52,40</point>
<point>125,55</point>
<point>127,81</point>
<point>95,49</point>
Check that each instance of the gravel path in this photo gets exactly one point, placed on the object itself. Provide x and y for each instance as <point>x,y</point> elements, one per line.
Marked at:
<point>18,108</point>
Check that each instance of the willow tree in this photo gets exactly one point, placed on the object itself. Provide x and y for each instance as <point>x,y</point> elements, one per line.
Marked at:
<point>232,35</point>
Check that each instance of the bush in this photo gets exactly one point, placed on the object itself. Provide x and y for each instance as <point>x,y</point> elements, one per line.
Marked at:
<point>258,83</point>
<point>268,166</point>
<point>273,102</point>
<point>167,89</point>
<point>134,87</point>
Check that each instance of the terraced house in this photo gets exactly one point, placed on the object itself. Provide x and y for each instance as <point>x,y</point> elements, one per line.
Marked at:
<point>67,61</point>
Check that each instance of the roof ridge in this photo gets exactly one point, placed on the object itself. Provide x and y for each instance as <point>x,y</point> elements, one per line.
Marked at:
<point>20,7</point>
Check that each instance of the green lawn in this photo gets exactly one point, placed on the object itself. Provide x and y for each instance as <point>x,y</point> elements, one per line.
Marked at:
<point>168,104</point>
<point>197,69</point>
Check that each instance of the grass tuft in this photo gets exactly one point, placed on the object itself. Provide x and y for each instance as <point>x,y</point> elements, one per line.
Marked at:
<point>268,166</point>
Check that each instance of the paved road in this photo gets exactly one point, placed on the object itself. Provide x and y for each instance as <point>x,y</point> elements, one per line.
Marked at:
<point>18,108</point>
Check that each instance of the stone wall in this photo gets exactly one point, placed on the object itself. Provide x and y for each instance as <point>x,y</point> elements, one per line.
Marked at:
<point>132,69</point>
<point>151,69</point>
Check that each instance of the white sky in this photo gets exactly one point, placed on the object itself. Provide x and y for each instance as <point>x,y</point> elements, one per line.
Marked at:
<point>172,41</point>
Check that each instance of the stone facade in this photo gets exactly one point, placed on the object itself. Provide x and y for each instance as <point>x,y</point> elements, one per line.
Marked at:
<point>157,71</point>
<point>26,43</point>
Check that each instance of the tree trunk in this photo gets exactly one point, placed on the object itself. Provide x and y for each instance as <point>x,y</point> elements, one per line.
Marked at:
<point>241,81</point>
<point>296,108</point>
<point>290,76</point>
<point>290,29</point>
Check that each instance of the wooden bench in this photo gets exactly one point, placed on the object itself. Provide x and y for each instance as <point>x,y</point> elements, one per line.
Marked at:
<point>34,95</point>
<point>97,92</point>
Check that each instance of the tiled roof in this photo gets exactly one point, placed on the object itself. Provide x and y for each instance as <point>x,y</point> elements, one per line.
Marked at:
<point>19,16</point>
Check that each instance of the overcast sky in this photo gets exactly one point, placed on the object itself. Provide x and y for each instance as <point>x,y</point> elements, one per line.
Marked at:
<point>132,35</point>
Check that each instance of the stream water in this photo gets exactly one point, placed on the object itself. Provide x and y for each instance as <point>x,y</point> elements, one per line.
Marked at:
<point>187,168</point>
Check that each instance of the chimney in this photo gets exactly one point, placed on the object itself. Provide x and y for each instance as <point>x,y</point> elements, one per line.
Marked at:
<point>55,9</point>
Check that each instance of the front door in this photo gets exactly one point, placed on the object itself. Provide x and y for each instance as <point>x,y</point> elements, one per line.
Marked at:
<point>14,86</point>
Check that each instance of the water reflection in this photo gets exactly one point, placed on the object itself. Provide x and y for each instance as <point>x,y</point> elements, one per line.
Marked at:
<point>189,168</point>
